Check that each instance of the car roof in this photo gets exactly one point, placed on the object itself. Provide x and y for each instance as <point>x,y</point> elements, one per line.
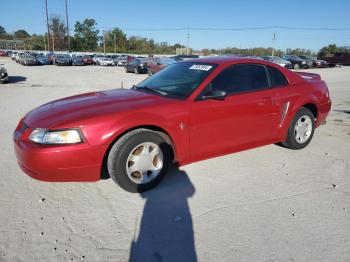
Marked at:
<point>221,60</point>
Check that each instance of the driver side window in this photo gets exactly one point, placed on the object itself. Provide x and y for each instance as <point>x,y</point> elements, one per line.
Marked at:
<point>241,78</point>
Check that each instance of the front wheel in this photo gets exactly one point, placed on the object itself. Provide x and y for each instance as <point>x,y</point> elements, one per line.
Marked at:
<point>296,66</point>
<point>138,161</point>
<point>301,129</point>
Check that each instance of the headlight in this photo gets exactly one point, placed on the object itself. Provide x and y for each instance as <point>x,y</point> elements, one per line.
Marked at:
<point>67,136</point>
<point>303,62</point>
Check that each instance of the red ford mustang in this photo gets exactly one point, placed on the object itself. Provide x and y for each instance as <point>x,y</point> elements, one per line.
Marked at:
<point>187,112</point>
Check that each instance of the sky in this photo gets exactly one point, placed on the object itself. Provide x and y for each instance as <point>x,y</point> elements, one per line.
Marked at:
<point>139,14</point>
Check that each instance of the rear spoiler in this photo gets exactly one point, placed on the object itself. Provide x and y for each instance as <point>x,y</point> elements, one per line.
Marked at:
<point>309,76</point>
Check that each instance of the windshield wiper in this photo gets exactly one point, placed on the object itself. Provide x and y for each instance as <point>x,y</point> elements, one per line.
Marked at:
<point>162,93</point>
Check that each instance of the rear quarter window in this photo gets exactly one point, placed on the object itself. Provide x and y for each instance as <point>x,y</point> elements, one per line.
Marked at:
<point>276,77</point>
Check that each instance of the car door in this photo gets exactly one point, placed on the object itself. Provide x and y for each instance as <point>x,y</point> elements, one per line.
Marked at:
<point>248,114</point>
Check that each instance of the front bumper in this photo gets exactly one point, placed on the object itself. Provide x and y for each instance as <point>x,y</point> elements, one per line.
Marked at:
<point>67,163</point>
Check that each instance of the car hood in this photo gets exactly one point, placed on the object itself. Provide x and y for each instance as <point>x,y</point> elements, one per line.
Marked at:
<point>82,107</point>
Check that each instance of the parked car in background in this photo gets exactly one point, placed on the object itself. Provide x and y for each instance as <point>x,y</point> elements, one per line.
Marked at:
<point>137,65</point>
<point>342,58</point>
<point>309,60</point>
<point>188,112</point>
<point>3,53</point>
<point>27,60</point>
<point>13,56</point>
<point>106,61</point>
<point>42,60</point>
<point>18,56</point>
<point>315,62</point>
<point>88,60</point>
<point>63,60</point>
<point>120,60</point>
<point>3,74</point>
<point>158,63</point>
<point>297,62</point>
<point>96,59</point>
<point>51,57</point>
<point>179,58</point>
<point>279,61</point>
<point>78,61</point>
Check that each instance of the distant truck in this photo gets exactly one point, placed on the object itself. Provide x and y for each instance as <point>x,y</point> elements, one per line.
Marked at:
<point>342,58</point>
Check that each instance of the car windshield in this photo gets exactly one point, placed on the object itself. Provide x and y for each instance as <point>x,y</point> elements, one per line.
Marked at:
<point>277,59</point>
<point>178,80</point>
<point>63,56</point>
<point>167,61</point>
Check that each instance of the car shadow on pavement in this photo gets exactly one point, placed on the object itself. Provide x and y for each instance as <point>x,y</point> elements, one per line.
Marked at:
<point>16,79</point>
<point>166,230</point>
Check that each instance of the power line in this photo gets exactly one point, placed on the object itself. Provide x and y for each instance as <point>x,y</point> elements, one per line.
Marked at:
<point>235,29</point>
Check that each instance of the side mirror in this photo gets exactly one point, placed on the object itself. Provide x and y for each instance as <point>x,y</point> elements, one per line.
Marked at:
<point>215,95</point>
<point>158,63</point>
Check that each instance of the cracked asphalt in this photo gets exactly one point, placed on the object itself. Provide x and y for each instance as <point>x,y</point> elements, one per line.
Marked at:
<point>265,204</point>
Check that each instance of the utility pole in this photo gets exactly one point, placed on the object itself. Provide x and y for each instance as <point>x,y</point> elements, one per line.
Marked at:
<point>104,42</point>
<point>188,41</point>
<point>45,43</point>
<point>273,43</point>
<point>115,43</point>
<point>67,26</point>
<point>48,29</point>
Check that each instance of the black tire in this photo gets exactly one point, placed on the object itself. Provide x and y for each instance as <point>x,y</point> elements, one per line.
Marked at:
<point>291,141</point>
<point>296,66</point>
<point>126,69</point>
<point>118,155</point>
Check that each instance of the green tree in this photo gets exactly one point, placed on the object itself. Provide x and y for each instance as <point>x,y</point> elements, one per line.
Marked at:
<point>328,50</point>
<point>116,41</point>
<point>21,34</point>
<point>2,31</point>
<point>58,32</point>
<point>86,36</point>
<point>37,42</point>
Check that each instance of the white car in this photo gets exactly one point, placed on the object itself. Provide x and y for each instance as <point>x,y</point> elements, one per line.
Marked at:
<point>106,61</point>
<point>97,59</point>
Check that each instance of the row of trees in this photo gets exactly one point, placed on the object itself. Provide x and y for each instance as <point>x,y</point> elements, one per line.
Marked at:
<point>88,38</point>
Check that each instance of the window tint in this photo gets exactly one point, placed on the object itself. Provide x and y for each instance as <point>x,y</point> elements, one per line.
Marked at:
<point>241,78</point>
<point>276,77</point>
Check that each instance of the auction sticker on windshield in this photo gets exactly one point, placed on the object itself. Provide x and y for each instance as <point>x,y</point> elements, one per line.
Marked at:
<point>201,67</point>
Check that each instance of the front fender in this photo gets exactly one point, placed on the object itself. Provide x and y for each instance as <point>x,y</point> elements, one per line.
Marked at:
<point>170,125</point>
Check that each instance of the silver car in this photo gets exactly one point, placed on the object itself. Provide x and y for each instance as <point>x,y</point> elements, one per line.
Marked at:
<point>277,60</point>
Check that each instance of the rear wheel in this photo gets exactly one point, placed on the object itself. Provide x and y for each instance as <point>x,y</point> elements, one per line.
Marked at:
<point>301,129</point>
<point>138,161</point>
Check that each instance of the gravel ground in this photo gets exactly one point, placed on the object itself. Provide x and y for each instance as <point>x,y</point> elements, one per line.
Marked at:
<point>264,204</point>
